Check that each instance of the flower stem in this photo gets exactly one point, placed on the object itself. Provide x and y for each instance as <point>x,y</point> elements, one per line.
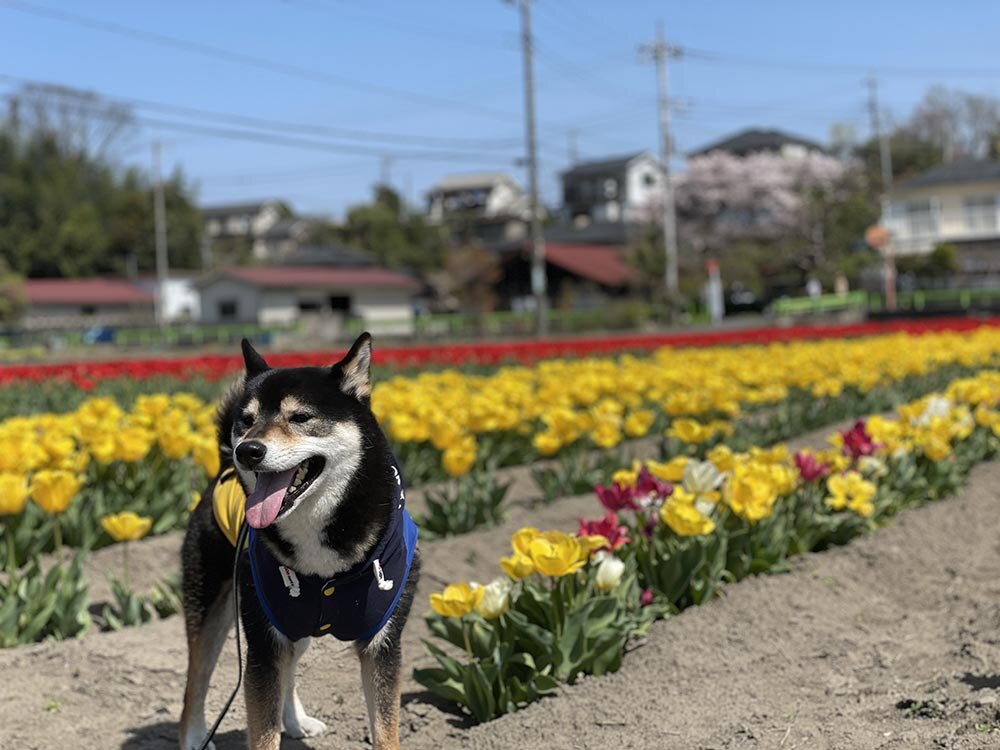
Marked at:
<point>57,537</point>
<point>8,531</point>
<point>465,637</point>
<point>125,564</point>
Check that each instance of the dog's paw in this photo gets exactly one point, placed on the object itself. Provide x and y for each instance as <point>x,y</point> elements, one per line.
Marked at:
<point>305,726</point>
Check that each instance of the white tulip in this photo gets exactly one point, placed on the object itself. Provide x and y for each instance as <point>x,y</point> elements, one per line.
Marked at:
<point>609,573</point>
<point>496,598</point>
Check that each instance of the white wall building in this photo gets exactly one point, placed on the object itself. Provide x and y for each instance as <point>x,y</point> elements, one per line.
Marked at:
<point>955,203</point>
<point>321,298</point>
<point>623,189</point>
<point>84,303</point>
<point>487,195</point>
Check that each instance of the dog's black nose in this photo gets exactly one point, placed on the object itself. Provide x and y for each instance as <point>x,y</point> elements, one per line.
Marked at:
<point>250,452</point>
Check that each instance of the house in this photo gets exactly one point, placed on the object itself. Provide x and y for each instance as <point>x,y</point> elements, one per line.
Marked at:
<point>622,189</point>
<point>180,300</point>
<point>490,206</point>
<point>323,299</point>
<point>242,228</point>
<point>756,141</point>
<point>957,203</point>
<point>577,276</point>
<point>282,238</point>
<point>83,303</point>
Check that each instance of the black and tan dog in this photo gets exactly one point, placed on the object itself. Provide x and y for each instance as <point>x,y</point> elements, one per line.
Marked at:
<point>331,548</point>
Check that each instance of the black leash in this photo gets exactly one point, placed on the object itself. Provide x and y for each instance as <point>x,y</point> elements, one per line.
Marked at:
<point>240,541</point>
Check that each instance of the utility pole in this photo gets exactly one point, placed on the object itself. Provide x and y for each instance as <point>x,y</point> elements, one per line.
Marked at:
<point>885,165</point>
<point>571,151</point>
<point>885,154</point>
<point>536,239</point>
<point>160,228</point>
<point>658,52</point>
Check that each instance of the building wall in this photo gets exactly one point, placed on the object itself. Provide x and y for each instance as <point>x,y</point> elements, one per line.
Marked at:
<point>643,188</point>
<point>949,219</point>
<point>76,316</point>
<point>244,296</point>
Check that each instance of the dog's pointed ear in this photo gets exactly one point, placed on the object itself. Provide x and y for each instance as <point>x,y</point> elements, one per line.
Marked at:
<point>254,363</point>
<point>355,370</point>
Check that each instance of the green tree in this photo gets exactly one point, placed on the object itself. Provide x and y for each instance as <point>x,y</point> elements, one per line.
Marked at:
<point>67,209</point>
<point>398,236</point>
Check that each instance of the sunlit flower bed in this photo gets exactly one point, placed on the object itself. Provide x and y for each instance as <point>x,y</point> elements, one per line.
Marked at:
<point>674,531</point>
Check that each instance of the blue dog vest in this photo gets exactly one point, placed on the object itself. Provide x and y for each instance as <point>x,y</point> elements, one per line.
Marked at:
<point>352,606</point>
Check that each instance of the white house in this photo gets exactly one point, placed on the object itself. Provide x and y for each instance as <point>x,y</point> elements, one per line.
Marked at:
<point>957,203</point>
<point>623,189</point>
<point>180,300</point>
<point>321,298</point>
<point>485,195</point>
<point>255,223</point>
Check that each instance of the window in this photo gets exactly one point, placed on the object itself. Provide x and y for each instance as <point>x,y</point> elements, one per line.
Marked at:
<point>980,213</point>
<point>921,218</point>
<point>309,306</point>
<point>88,310</point>
<point>340,304</point>
<point>227,309</point>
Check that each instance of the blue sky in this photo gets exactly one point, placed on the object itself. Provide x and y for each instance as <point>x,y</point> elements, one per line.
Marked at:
<point>403,72</point>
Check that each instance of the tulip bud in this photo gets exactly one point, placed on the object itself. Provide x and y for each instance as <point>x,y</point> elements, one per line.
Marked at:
<point>609,573</point>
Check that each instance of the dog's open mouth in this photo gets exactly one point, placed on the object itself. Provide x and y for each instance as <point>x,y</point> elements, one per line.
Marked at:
<point>276,491</point>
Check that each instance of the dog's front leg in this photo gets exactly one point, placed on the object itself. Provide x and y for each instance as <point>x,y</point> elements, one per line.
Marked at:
<point>269,658</point>
<point>381,662</point>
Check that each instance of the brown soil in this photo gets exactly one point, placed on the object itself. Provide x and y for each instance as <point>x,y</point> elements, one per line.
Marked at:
<point>890,642</point>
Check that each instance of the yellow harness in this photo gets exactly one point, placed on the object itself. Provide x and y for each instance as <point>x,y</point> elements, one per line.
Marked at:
<point>228,501</point>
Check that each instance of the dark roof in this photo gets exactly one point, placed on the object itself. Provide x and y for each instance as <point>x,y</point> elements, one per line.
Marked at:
<point>84,292</point>
<point>964,170</point>
<point>603,264</point>
<point>328,255</point>
<point>228,209</point>
<point>753,140</point>
<point>322,277</point>
<point>602,166</point>
<point>285,228</point>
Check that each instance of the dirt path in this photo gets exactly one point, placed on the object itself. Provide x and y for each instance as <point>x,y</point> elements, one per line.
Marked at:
<point>891,642</point>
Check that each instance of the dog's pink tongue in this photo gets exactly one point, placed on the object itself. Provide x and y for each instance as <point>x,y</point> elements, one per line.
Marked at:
<point>264,502</point>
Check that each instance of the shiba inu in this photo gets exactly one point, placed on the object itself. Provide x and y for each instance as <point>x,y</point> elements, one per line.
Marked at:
<point>331,548</point>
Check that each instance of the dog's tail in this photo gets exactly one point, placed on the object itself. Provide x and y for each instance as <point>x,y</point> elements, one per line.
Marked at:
<point>224,417</point>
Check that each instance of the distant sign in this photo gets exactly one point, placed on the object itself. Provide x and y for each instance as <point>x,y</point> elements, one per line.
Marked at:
<point>877,236</point>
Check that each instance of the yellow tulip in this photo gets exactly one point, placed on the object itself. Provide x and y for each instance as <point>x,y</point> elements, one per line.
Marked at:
<point>457,600</point>
<point>671,471</point>
<point>13,494</point>
<point>521,540</point>
<point>852,491</point>
<point>126,526</point>
<point>684,519</point>
<point>54,490</point>
<point>517,566</point>
<point>556,554</point>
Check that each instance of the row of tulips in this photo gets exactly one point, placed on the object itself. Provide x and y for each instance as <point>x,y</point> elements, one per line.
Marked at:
<point>215,367</point>
<point>101,458</point>
<point>675,531</point>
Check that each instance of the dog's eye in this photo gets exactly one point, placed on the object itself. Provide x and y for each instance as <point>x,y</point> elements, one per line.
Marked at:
<point>300,417</point>
<point>246,420</point>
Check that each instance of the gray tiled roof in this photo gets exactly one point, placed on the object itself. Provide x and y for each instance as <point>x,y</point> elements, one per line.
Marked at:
<point>964,170</point>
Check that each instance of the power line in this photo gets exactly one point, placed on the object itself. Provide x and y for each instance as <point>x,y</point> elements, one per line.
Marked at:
<point>280,125</point>
<point>702,55</point>
<point>242,58</point>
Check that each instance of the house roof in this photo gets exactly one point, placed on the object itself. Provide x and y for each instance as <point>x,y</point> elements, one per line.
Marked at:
<point>84,292</point>
<point>228,209</point>
<point>286,228</point>
<point>603,264</point>
<point>284,277</point>
<point>964,170</point>
<point>328,255</point>
<point>753,140</point>
<point>472,180</point>
<point>603,166</point>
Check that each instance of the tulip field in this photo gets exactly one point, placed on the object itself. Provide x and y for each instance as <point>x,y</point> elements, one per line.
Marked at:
<point>679,445</point>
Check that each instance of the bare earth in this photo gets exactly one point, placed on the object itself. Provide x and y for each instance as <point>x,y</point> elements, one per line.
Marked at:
<point>890,642</point>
